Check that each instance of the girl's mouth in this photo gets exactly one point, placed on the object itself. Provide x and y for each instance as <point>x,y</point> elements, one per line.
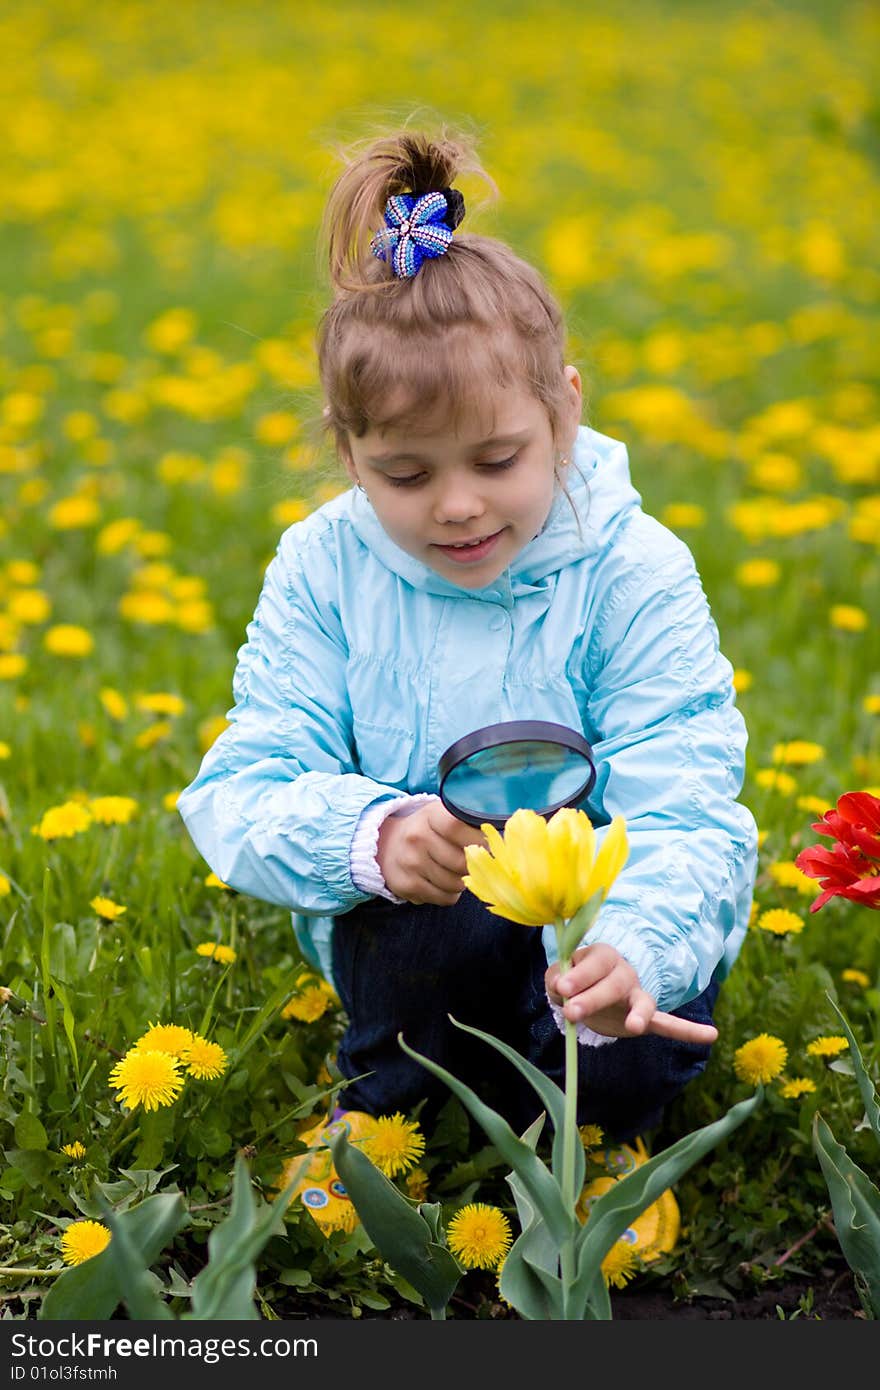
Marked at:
<point>468,553</point>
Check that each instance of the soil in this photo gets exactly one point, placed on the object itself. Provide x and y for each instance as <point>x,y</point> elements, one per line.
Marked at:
<point>834,1298</point>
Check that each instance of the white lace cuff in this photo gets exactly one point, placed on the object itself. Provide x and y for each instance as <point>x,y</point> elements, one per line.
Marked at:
<point>585,1035</point>
<point>363,865</point>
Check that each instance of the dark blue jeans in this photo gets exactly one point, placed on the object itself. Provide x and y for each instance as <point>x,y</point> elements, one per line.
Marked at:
<point>404,969</point>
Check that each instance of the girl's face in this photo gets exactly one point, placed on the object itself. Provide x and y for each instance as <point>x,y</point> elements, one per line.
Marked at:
<point>467,503</point>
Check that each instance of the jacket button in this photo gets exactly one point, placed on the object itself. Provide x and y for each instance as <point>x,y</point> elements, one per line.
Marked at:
<point>497,622</point>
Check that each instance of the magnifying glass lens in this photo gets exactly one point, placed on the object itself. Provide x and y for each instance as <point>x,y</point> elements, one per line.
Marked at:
<point>496,773</point>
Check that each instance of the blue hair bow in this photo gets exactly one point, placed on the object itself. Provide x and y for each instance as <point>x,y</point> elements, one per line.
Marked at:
<point>416,229</point>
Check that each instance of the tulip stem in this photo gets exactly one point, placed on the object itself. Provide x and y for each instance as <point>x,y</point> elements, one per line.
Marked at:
<point>569,1137</point>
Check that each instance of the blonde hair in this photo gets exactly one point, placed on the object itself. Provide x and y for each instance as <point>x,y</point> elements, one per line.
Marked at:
<point>473,319</point>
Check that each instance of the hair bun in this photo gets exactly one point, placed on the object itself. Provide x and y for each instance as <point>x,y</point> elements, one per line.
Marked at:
<point>454,207</point>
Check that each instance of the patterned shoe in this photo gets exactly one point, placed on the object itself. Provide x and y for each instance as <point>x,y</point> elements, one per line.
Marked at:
<point>655,1231</point>
<point>318,1187</point>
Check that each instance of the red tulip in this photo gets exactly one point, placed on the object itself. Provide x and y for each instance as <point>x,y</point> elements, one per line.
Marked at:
<point>851,867</point>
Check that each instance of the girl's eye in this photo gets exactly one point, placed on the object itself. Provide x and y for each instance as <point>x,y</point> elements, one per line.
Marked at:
<point>414,479</point>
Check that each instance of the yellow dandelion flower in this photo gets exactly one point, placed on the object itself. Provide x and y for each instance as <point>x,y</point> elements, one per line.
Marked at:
<point>5,886</point>
<point>479,1236</point>
<point>827,1046</point>
<point>76,1150</point>
<point>742,680</point>
<point>210,730</point>
<point>846,617</point>
<point>816,805</point>
<point>780,922</point>
<point>29,606</point>
<point>591,1135</point>
<point>215,950</point>
<point>856,977</point>
<point>146,1077</point>
<point>416,1184</point>
<point>798,753</point>
<point>786,874</point>
<point>776,780</point>
<point>172,1038</point>
<point>106,908</point>
<point>82,1240</point>
<point>620,1264</point>
<point>212,881</point>
<point>797,1087</point>
<point>161,702</point>
<point>114,704</point>
<point>70,513</point>
<point>113,810</point>
<point>169,801</point>
<point>12,665</point>
<point>679,516</point>
<point>62,822</point>
<point>311,1002</point>
<point>757,574</point>
<point>154,734</point>
<point>760,1060</point>
<point>871,704</point>
<point>5,751</point>
<point>203,1059</point>
<point>68,639</point>
<point>395,1144</point>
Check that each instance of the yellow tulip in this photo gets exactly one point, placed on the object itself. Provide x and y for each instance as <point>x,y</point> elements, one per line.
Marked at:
<point>542,871</point>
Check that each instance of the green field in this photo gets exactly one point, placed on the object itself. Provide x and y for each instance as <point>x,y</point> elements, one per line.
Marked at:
<point>699,184</point>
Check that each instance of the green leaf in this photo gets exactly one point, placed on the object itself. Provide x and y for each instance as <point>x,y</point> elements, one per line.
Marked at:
<point>617,1208</point>
<point>550,1093</point>
<point>225,1287</point>
<point>136,1287</point>
<point>856,1205</point>
<point>29,1132</point>
<point>530,1276</point>
<point>90,1291</point>
<point>866,1085</point>
<point>401,1235</point>
<point>536,1178</point>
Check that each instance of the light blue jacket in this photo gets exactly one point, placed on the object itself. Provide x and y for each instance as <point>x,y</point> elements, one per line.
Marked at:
<point>362,665</point>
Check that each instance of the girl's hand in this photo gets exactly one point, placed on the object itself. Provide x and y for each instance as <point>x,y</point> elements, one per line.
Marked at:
<point>602,990</point>
<point>422,855</point>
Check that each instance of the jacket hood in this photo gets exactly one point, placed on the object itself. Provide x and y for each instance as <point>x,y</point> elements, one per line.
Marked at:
<point>599,486</point>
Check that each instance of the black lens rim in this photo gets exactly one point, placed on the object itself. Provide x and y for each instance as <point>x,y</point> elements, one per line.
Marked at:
<point>513,731</point>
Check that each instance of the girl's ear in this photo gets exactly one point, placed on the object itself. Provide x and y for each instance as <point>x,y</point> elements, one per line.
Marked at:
<point>576,403</point>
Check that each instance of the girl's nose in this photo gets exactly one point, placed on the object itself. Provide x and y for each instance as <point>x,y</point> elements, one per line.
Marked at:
<point>459,504</point>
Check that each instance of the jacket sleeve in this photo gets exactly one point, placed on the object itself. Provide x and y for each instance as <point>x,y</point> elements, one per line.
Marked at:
<point>275,803</point>
<point>670,754</point>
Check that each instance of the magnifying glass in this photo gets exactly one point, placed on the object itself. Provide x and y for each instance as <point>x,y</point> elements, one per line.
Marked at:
<point>489,774</point>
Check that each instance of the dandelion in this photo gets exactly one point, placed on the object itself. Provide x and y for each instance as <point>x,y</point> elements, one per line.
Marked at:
<point>82,1240</point>
<point>62,822</point>
<point>786,874</point>
<point>479,1236</point>
<point>757,574</point>
<point>776,780</point>
<point>827,1047</point>
<point>149,1078</point>
<point>106,908</point>
<point>871,704</point>
<point>12,665</point>
<point>591,1135</point>
<point>169,801</point>
<point>780,922</point>
<point>113,810</point>
<point>212,881</point>
<point>311,1002</point>
<point>743,680</point>
<point>203,1059</point>
<point>798,753</point>
<point>797,1087</point>
<point>161,702</point>
<point>76,1150</point>
<point>760,1060</point>
<point>417,1184</point>
<point>395,1145</point>
<point>5,751</point>
<point>541,870</point>
<point>114,704</point>
<point>846,617</point>
<point>5,886</point>
<point>165,1037</point>
<point>620,1264</point>
<point>152,735</point>
<point>856,977</point>
<point>215,950</point>
<point>67,639</point>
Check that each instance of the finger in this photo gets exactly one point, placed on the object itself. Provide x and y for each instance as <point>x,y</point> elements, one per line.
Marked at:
<point>449,859</point>
<point>595,964</point>
<point>681,1029</point>
<point>608,991</point>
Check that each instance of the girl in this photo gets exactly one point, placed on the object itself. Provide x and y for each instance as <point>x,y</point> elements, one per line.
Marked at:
<point>491,562</point>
